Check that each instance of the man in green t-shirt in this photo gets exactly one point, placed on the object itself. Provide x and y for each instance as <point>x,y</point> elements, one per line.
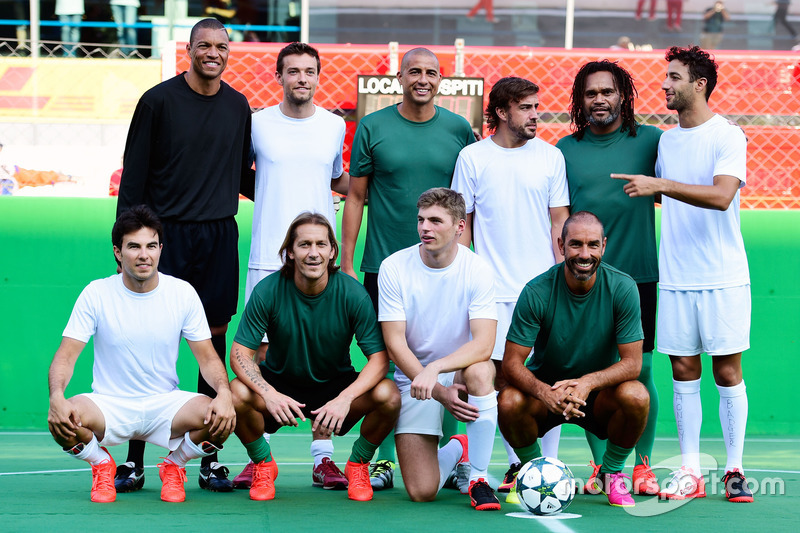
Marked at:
<point>582,319</point>
<point>398,153</point>
<point>310,312</point>
<point>606,138</point>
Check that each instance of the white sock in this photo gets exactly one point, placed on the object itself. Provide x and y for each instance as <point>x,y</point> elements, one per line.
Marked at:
<point>92,453</point>
<point>448,457</point>
<point>185,452</point>
<point>266,437</point>
<point>512,455</point>
<point>321,449</point>
<point>549,442</point>
<point>733,417</point>
<point>480,435</point>
<point>688,418</point>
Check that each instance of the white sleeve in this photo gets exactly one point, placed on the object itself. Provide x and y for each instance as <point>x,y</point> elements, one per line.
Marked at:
<point>482,302</point>
<point>464,180</point>
<point>559,190</point>
<point>338,168</point>
<point>195,325</point>
<point>390,294</point>
<point>731,157</point>
<point>82,322</point>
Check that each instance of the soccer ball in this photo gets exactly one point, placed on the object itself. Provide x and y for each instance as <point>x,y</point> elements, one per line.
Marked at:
<point>545,486</point>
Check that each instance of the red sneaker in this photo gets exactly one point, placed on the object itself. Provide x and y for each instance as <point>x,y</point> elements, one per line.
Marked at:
<point>644,480</point>
<point>263,486</point>
<point>359,487</point>
<point>245,478</point>
<point>328,476</point>
<point>172,479</point>
<point>103,490</point>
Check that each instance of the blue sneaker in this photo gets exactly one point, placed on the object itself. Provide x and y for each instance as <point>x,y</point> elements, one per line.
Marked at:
<point>214,477</point>
<point>128,478</point>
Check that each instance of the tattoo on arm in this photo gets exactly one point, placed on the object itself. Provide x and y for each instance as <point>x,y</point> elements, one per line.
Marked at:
<point>250,369</point>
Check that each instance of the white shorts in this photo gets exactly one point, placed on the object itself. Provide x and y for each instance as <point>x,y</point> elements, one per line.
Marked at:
<point>505,312</point>
<point>422,417</point>
<point>148,418</point>
<point>713,321</point>
<point>254,275</point>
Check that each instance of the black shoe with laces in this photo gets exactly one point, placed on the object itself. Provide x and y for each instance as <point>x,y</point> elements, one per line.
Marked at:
<point>736,489</point>
<point>214,477</point>
<point>507,485</point>
<point>482,496</point>
<point>128,478</point>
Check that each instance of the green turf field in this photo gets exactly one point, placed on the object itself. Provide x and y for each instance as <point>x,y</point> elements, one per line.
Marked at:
<point>52,247</point>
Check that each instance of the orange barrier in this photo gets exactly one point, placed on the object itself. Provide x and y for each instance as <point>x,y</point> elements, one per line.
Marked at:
<point>760,91</point>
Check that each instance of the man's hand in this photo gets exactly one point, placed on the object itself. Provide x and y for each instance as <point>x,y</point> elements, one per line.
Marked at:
<point>330,417</point>
<point>639,184</point>
<point>62,418</point>
<point>461,410</point>
<point>573,394</point>
<point>424,382</point>
<point>284,409</point>
<point>221,415</point>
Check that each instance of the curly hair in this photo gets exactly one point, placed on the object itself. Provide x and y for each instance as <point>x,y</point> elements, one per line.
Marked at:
<point>506,91</point>
<point>623,82</point>
<point>700,63</point>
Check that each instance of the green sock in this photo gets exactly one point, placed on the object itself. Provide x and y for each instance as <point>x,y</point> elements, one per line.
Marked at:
<point>386,451</point>
<point>529,452</point>
<point>614,458</point>
<point>644,448</point>
<point>259,450</point>
<point>363,450</point>
<point>597,445</point>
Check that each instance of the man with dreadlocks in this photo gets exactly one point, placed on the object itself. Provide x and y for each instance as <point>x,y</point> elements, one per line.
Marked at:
<point>607,139</point>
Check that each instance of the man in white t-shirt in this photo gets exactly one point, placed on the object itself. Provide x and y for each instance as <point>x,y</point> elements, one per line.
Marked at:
<point>292,132</point>
<point>437,312</point>
<point>137,319</point>
<point>506,178</point>
<point>704,295</point>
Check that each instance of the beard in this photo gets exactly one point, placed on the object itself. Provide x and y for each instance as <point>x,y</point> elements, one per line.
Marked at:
<point>612,116</point>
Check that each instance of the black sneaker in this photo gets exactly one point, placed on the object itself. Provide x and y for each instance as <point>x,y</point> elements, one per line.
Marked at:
<point>507,485</point>
<point>482,496</point>
<point>736,489</point>
<point>214,477</point>
<point>128,478</point>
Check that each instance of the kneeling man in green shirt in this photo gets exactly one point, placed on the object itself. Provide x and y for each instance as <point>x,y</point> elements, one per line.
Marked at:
<point>582,319</point>
<point>310,312</point>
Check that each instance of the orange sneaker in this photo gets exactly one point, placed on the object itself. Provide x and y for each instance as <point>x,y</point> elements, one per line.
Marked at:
<point>358,486</point>
<point>263,486</point>
<point>172,479</point>
<point>103,490</point>
<point>591,486</point>
<point>644,480</point>
<point>245,478</point>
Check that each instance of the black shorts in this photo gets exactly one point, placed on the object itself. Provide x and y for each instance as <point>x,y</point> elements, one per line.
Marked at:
<point>313,395</point>
<point>648,296</point>
<point>371,284</point>
<point>588,422</point>
<point>206,254</point>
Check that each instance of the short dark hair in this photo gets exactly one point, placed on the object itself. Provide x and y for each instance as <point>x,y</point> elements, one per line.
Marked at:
<point>450,200</point>
<point>507,91</point>
<point>209,23</point>
<point>297,49</point>
<point>132,220</point>
<point>306,217</point>
<point>623,82</point>
<point>581,216</point>
<point>700,63</point>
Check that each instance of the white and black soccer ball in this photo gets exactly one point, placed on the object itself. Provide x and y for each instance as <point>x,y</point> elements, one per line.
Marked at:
<point>545,486</point>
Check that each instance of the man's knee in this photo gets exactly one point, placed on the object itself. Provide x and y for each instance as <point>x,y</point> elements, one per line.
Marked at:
<point>387,396</point>
<point>633,396</point>
<point>241,396</point>
<point>479,378</point>
<point>420,495</point>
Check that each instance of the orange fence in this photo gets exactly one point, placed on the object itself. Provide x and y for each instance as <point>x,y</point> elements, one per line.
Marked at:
<point>760,91</point>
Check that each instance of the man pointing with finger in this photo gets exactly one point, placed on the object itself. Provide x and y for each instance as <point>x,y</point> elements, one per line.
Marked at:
<point>310,312</point>
<point>582,319</point>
